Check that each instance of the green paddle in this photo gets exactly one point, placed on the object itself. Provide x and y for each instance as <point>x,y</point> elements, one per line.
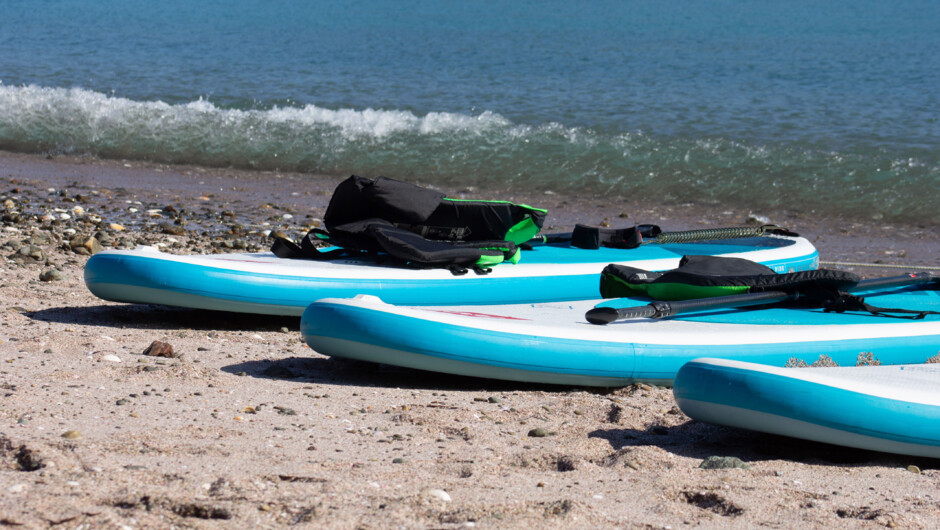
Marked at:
<point>662,309</point>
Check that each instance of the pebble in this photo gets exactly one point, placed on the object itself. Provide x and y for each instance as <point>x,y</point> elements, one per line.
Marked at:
<point>724,462</point>
<point>51,275</point>
<point>538,433</point>
<point>85,246</point>
<point>914,469</point>
<point>438,494</point>
<point>71,435</point>
<point>172,229</point>
<point>111,358</point>
<point>31,252</point>
<point>755,219</point>
<point>160,349</point>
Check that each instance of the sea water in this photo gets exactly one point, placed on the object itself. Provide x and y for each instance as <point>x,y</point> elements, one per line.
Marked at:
<point>813,106</point>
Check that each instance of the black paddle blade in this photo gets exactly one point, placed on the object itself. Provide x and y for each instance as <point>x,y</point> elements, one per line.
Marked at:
<point>601,315</point>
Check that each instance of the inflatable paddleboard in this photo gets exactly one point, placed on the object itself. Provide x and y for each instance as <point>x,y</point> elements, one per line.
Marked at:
<point>894,409</point>
<point>265,284</point>
<point>553,343</point>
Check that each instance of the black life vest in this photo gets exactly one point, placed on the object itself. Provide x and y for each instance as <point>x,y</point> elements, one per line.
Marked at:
<point>711,276</point>
<point>395,220</point>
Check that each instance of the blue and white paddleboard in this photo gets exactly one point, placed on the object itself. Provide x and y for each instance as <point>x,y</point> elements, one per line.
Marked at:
<point>265,284</point>
<point>894,409</point>
<point>553,343</point>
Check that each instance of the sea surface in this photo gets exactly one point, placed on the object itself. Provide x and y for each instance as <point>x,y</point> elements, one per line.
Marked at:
<point>807,105</point>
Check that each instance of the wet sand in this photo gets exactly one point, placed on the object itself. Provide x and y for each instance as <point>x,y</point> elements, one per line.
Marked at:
<point>250,428</point>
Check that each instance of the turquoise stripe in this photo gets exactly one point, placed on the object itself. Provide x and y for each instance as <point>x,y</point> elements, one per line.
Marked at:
<point>150,272</point>
<point>810,402</point>
<point>627,361</point>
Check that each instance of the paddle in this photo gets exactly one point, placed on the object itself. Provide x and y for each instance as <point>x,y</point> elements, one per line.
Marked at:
<point>662,309</point>
<point>682,236</point>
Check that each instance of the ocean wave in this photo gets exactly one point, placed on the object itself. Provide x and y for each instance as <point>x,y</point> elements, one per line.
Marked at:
<point>485,149</point>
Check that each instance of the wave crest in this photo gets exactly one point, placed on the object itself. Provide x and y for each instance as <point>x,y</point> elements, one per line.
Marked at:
<point>484,149</point>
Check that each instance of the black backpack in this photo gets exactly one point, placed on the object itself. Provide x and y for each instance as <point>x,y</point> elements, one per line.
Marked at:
<point>397,221</point>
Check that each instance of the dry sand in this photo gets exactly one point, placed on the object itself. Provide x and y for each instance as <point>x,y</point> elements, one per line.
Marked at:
<point>251,428</point>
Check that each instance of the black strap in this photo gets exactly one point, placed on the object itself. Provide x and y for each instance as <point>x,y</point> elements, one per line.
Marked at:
<point>284,248</point>
<point>850,302</point>
<point>593,237</point>
<point>401,245</point>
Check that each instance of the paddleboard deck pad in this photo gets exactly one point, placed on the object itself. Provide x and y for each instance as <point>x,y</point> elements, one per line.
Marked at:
<point>893,409</point>
<point>553,343</point>
<point>265,284</point>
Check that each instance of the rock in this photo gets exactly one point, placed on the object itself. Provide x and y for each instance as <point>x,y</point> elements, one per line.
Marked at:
<point>437,494</point>
<point>111,358</point>
<point>172,229</point>
<point>758,220</point>
<point>51,275</point>
<point>28,459</point>
<point>914,469</point>
<point>160,349</point>
<point>71,435</point>
<point>85,246</point>
<point>538,433</point>
<point>724,462</point>
<point>30,253</point>
<point>116,227</point>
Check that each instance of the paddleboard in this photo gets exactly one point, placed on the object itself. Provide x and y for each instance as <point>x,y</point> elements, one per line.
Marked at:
<point>553,343</point>
<point>265,284</point>
<point>894,409</point>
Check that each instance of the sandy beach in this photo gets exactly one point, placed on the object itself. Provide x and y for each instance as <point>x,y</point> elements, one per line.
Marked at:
<point>245,426</point>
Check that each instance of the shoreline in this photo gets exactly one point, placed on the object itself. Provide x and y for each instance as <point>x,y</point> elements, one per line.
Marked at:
<point>251,428</point>
<point>866,242</point>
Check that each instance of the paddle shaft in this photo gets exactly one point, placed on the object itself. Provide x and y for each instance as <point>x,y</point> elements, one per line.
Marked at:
<point>685,236</point>
<point>663,309</point>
